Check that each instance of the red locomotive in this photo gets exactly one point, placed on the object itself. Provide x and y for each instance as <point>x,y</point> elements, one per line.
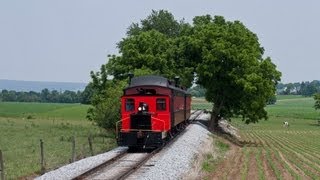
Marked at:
<point>152,108</point>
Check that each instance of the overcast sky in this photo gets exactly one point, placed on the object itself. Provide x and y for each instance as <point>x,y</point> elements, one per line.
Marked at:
<point>61,40</point>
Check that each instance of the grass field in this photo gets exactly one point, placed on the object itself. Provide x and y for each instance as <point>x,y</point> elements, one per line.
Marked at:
<point>43,110</point>
<point>272,151</point>
<point>22,125</point>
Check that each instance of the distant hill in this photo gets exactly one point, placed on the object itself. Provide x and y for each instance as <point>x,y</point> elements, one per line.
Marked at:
<point>37,86</point>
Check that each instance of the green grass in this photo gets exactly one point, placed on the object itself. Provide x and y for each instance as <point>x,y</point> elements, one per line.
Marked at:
<point>299,108</point>
<point>43,110</point>
<point>223,147</point>
<point>55,124</point>
<point>284,97</point>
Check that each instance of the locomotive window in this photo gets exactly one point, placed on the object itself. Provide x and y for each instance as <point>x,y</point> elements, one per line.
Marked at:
<point>161,104</point>
<point>129,104</point>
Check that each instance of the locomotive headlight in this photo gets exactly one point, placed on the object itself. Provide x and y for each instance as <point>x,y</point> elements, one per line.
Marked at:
<point>139,108</point>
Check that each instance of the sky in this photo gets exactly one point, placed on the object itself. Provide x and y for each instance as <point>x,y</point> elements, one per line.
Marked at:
<point>62,41</point>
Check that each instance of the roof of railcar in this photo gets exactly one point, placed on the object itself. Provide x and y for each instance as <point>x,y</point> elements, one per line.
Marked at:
<point>152,80</point>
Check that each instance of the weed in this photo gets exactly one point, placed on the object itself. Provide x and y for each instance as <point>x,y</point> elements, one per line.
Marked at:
<point>223,147</point>
<point>30,116</point>
<point>208,164</point>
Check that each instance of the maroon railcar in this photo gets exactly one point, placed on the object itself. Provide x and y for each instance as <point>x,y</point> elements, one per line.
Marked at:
<point>151,108</point>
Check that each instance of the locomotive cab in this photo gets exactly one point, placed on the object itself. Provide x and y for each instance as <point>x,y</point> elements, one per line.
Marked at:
<point>143,122</point>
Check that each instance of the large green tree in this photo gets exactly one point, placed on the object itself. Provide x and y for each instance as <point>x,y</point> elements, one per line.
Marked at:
<point>238,80</point>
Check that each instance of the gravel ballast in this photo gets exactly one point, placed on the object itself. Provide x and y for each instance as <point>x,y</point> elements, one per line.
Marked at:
<point>174,161</point>
<point>75,169</point>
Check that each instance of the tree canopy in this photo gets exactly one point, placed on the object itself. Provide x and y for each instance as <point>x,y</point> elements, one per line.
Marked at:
<point>317,99</point>
<point>238,81</point>
<point>223,57</point>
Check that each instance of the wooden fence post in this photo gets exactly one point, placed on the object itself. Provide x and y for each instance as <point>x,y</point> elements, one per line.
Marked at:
<point>42,157</point>
<point>90,144</point>
<point>73,155</point>
<point>1,166</point>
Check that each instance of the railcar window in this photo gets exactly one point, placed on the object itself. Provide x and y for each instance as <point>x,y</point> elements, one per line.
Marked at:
<point>129,104</point>
<point>161,104</point>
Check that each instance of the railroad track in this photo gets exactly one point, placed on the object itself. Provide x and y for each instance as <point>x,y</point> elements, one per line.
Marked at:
<point>124,164</point>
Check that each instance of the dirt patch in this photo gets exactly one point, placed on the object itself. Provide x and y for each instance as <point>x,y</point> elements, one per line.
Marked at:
<point>253,167</point>
<point>236,165</point>
<point>28,177</point>
<point>267,169</point>
<point>230,165</point>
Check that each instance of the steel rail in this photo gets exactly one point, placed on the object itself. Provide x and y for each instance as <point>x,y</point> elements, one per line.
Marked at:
<point>100,166</point>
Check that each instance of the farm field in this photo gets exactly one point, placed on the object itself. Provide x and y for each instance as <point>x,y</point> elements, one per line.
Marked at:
<point>22,125</point>
<point>272,151</point>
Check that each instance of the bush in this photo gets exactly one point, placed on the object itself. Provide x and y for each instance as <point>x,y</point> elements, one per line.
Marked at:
<point>272,100</point>
<point>105,110</point>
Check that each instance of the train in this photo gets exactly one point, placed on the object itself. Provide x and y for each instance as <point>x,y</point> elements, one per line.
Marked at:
<point>153,109</point>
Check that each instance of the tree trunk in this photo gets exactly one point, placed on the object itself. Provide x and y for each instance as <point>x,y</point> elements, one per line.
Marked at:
<point>215,116</point>
<point>214,121</point>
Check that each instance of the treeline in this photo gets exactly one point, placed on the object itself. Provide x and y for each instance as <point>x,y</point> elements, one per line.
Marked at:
<point>47,96</point>
<point>304,88</point>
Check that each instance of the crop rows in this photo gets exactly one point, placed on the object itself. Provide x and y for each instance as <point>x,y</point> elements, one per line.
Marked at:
<point>282,154</point>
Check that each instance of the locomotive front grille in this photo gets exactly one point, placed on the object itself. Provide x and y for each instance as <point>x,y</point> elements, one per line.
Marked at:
<point>141,121</point>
